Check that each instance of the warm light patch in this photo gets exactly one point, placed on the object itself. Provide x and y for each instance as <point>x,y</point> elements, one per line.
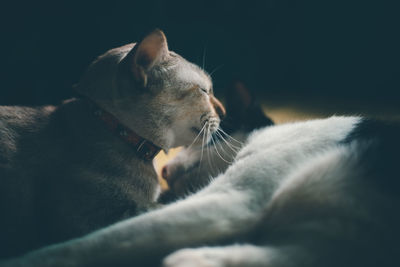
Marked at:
<point>287,114</point>
<point>160,160</point>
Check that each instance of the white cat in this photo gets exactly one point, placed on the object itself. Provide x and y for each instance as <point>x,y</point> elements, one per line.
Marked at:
<point>315,193</point>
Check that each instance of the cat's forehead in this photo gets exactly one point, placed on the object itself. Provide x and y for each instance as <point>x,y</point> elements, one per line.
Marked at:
<point>189,73</point>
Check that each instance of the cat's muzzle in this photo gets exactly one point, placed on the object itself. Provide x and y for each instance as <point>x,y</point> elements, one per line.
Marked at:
<point>212,124</point>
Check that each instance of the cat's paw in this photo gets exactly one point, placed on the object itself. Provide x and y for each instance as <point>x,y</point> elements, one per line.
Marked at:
<point>190,258</point>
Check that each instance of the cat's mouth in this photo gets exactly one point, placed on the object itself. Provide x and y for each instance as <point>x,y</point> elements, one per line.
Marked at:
<point>211,124</point>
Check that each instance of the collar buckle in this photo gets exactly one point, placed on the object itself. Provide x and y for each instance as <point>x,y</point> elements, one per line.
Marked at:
<point>146,150</point>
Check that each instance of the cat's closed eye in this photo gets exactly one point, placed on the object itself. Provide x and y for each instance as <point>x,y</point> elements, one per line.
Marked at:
<point>204,90</point>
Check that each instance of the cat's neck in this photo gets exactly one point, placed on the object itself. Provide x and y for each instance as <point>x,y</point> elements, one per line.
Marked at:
<point>141,126</point>
<point>152,126</point>
<point>144,148</point>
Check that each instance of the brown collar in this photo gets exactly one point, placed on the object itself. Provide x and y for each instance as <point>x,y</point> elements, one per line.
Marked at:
<point>143,147</point>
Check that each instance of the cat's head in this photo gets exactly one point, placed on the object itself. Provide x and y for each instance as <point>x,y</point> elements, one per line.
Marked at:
<point>154,91</point>
<point>192,168</point>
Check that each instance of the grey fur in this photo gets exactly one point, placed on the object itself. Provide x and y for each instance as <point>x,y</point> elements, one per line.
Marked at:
<point>64,174</point>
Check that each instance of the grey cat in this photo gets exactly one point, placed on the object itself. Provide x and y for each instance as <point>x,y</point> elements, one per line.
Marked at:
<point>70,169</point>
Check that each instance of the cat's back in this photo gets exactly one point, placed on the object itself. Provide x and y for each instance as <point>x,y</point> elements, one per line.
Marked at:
<point>19,117</point>
<point>299,135</point>
<point>17,121</point>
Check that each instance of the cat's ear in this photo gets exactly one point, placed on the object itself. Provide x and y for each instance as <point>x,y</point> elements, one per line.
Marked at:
<point>147,53</point>
<point>239,98</point>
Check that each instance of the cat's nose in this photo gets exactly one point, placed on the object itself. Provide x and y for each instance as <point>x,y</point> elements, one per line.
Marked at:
<point>219,108</point>
<point>165,172</point>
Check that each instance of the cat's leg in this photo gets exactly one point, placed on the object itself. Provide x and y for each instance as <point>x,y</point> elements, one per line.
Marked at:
<point>231,256</point>
<point>146,239</point>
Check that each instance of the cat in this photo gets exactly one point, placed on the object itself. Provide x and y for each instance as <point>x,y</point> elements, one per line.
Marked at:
<point>71,169</point>
<point>323,192</point>
<point>194,166</point>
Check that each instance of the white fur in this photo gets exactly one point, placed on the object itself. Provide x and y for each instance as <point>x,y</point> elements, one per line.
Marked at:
<point>235,255</point>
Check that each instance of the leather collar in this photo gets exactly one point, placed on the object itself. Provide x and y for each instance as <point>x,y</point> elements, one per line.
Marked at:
<point>145,149</point>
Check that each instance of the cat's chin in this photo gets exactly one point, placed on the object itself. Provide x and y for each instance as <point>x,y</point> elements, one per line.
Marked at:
<point>199,136</point>
<point>195,130</point>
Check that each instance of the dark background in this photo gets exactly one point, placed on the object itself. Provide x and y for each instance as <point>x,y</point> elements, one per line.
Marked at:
<point>328,51</point>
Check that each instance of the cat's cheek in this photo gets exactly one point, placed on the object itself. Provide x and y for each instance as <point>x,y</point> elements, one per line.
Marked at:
<point>183,133</point>
<point>183,139</point>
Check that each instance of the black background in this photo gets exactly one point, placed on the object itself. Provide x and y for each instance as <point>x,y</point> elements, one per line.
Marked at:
<point>333,51</point>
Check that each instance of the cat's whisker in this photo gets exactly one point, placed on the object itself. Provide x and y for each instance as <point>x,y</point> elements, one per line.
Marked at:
<point>204,57</point>
<point>215,69</point>
<point>208,153</point>
<point>230,144</point>
<point>216,150</point>
<point>220,156</point>
<point>229,136</point>
<point>195,139</point>
<point>218,169</point>
<point>202,149</point>
<point>234,148</point>
<point>229,154</point>
<point>240,143</point>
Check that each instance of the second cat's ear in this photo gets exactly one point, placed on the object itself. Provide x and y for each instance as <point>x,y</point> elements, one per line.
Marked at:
<point>238,97</point>
<point>147,53</point>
